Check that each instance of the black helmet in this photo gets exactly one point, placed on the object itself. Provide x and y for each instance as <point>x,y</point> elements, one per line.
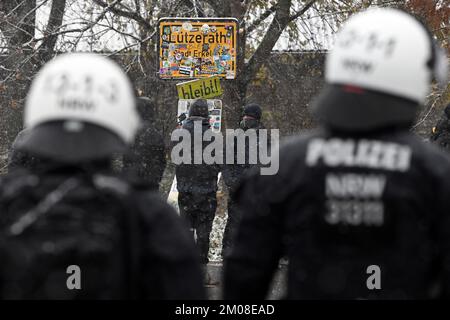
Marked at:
<point>253,110</point>
<point>146,108</point>
<point>199,108</point>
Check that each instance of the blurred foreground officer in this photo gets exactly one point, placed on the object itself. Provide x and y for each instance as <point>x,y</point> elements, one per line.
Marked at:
<point>441,132</point>
<point>197,183</point>
<point>147,158</point>
<point>20,159</point>
<point>361,206</point>
<point>69,228</point>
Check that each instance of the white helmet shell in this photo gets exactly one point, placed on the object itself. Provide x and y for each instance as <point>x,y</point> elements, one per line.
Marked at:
<point>385,50</point>
<point>85,87</point>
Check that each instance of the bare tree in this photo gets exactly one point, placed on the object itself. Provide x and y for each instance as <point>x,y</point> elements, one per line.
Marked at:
<point>47,47</point>
<point>31,32</point>
<point>17,22</point>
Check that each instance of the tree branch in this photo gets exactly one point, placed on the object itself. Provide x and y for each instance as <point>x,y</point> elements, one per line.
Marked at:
<point>217,6</point>
<point>15,27</point>
<point>54,23</point>
<point>261,18</point>
<point>302,11</point>
<point>279,23</point>
<point>137,5</point>
<point>191,3</point>
<point>81,30</point>
<point>276,28</point>
<point>127,14</point>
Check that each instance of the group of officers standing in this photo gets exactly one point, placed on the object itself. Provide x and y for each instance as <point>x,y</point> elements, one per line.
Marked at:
<point>66,206</point>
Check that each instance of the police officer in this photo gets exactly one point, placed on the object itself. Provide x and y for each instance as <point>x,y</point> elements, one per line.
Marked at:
<point>360,206</point>
<point>20,159</point>
<point>146,159</point>
<point>72,215</point>
<point>441,132</point>
<point>233,173</point>
<point>197,183</point>
<point>251,117</point>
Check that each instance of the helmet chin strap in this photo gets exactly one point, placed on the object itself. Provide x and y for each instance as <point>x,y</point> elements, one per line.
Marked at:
<point>353,89</point>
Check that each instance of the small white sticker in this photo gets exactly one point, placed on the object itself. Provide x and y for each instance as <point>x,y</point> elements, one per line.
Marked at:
<point>187,26</point>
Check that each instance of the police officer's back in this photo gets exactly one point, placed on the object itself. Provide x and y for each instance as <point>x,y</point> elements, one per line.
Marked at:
<point>359,206</point>
<point>197,180</point>
<point>146,159</point>
<point>69,227</point>
<point>18,158</point>
<point>232,173</point>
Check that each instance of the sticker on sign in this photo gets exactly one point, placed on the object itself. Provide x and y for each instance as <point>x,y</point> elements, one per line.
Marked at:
<point>202,88</point>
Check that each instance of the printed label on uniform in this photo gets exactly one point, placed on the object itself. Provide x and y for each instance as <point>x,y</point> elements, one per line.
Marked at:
<point>354,198</point>
<point>371,154</point>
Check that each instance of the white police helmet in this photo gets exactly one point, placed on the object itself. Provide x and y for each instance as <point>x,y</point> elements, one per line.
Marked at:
<point>378,54</point>
<point>80,106</point>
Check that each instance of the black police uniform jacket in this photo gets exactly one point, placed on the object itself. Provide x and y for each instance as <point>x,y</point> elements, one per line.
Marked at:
<point>441,134</point>
<point>356,217</point>
<point>159,258</point>
<point>147,158</point>
<point>197,178</point>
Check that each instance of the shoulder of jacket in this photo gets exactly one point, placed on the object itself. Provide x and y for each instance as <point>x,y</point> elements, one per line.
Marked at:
<point>12,183</point>
<point>111,183</point>
<point>426,154</point>
<point>296,145</point>
<point>153,207</point>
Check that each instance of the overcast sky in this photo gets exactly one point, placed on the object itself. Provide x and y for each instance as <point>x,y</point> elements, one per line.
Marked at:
<point>313,32</point>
